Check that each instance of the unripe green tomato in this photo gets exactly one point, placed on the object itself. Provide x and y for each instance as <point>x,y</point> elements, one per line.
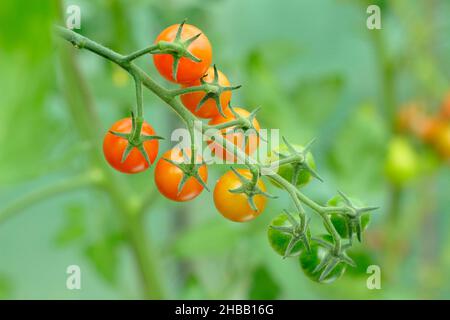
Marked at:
<point>287,170</point>
<point>279,240</point>
<point>340,222</point>
<point>310,260</point>
<point>401,163</point>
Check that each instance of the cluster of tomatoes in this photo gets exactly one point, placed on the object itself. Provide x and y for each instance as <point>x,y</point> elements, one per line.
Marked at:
<point>174,178</point>
<point>131,146</point>
<point>433,130</point>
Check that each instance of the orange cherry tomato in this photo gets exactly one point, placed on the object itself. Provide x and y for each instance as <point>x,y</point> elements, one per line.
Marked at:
<point>168,177</point>
<point>430,128</point>
<point>445,108</point>
<point>114,146</point>
<point>237,138</point>
<point>209,109</point>
<point>188,70</point>
<point>235,206</point>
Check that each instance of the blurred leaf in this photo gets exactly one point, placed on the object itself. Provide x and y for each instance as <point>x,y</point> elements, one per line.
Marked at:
<point>210,238</point>
<point>357,153</point>
<point>5,288</point>
<point>104,255</point>
<point>263,286</point>
<point>74,228</point>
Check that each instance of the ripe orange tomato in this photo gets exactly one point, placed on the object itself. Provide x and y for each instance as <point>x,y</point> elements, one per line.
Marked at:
<point>209,109</point>
<point>235,206</point>
<point>188,70</point>
<point>442,142</point>
<point>114,146</point>
<point>430,128</point>
<point>445,108</point>
<point>168,177</point>
<point>237,138</point>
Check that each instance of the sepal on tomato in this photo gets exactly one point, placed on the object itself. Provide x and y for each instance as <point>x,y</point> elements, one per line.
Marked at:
<point>135,140</point>
<point>355,218</point>
<point>298,231</point>
<point>301,162</point>
<point>189,169</point>
<point>332,259</point>
<point>250,187</point>
<point>213,90</point>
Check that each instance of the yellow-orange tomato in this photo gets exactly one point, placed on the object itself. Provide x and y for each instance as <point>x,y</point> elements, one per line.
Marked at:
<point>235,206</point>
<point>237,138</point>
<point>445,108</point>
<point>114,147</point>
<point>209,109</point>
<point>442,142</point>
<point>168,177</point>
<point>188,70</point>
<point>430,128</point>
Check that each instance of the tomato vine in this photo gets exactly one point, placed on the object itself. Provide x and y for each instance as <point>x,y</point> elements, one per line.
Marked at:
<point>250,185</point>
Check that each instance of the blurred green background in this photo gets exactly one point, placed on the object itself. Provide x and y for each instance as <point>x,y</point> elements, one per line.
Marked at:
<point>316,70</point>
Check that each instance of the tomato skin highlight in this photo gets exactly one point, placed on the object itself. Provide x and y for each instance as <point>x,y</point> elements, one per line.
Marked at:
<point>310,260</point>
<point>114,147</point>
<point>235,207</point>
<point>279,241</point>
<point>168,177</point>
<point>236,138</point>
<point>188,70</point>
<point>209,109</point>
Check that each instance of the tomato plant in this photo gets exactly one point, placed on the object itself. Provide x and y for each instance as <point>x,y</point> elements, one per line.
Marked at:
<point>191,61</point>
<point>173,182</point>
<point>208,104</point>
<point>183,54</point>
<point>114,148</point>
<point>236,206</point>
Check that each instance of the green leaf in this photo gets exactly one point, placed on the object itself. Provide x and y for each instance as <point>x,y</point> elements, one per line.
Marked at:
<point>74,228</point>
<point>5,288</point>
<point>263,286</point>
<point>104,255</point>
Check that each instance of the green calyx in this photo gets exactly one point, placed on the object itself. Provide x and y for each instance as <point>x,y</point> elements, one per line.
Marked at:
<point>250,187</point>
<point>298,160</point>
<point>213,90</point>
<point>245,123</point>
<point>298,232</point>
<point>178,48</point>
<point>189,169</point>
<point>332,258</point>
<point>354,216</point>
<point>136,139</point>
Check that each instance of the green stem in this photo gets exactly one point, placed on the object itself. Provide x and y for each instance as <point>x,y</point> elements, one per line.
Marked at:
<point>139,53</point>
<point>177,92</point>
